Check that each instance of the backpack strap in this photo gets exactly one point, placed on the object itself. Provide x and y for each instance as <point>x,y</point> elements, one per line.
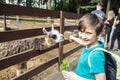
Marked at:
<point>101,49</point>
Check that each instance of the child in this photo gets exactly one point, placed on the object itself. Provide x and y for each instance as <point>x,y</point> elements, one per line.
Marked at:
<point>90,28</point>
<point>99,11</point>
<point>116,32</point>
<point>108,28</point>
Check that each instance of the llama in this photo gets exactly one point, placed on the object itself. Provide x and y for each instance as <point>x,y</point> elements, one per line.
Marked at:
<point>51,38</point>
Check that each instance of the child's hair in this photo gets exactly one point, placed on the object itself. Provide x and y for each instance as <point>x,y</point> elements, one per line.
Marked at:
<point>111,14</point>
<point>91,20</point>
<point>101,4</point>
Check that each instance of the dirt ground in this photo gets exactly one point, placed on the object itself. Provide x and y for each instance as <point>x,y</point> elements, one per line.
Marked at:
<point>8,73</point>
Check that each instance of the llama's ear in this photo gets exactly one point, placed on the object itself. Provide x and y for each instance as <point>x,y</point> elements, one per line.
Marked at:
<point>44,31</point>
<point>52,28</point>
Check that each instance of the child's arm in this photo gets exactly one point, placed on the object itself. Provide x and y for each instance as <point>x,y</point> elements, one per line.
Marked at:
<point>100,76</point>
<point>71,76</point>
<point>76,40</point>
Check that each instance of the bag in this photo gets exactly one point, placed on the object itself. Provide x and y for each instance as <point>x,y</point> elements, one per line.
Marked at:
<point>110,64</point>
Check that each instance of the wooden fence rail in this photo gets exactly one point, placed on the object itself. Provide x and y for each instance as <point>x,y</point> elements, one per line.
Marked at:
<point>8,10</point>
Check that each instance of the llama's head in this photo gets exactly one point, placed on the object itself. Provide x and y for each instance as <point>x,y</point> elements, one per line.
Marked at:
<point>53,36</point>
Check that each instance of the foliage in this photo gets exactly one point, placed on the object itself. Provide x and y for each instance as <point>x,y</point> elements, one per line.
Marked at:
<point>87,7</point>
<point>73,4</point>
<point>80,6</point>
<point>96,1</point>
<point>65,65</point>
<point>64,5</point>
<point>2,1</point>
<point>31,3</point>
<point>90,5</point>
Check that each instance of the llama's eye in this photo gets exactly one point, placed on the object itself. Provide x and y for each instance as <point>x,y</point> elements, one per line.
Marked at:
<point>54,36</point>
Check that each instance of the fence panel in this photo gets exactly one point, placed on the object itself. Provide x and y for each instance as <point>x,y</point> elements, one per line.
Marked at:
<point>20,34</point>
<point>9,10</point>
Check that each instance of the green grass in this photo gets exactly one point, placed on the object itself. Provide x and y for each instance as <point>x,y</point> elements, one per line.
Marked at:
<point>30,20</point>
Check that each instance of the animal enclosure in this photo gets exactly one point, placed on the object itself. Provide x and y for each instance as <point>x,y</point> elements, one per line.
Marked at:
<point>24,55</point>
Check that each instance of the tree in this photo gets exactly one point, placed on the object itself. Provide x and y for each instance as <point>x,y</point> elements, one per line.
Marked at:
<point>2,1</point>
<point>78,6</point>
<point>108,6</point>
<point>91,4</point>
<point>72,7</point>
<point>49,4</point>
<point>60,5</point>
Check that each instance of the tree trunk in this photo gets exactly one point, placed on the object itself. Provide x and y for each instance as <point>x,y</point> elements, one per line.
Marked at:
<point>49,4</point>
<point>49,7</point>
<point>55,4</point>
<point>108,7</point>
<point>78,9</point>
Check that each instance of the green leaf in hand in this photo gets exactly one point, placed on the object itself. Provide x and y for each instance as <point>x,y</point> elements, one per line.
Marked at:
<point>65,65</point>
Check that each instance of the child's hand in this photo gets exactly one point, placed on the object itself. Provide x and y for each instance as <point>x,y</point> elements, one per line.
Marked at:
<point>116,22</point>
<point>106,22</point>
<point>68,75</point>
<point>71,38</point>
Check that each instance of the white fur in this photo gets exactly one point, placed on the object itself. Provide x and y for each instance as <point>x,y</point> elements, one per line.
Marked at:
<point>53,31</point>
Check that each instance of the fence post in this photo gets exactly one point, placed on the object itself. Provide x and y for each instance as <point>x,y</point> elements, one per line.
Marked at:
<point>5,25</point>
<point>61,43</point>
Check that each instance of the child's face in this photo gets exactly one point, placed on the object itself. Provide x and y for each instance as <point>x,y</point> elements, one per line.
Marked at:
<point>88,37</point>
